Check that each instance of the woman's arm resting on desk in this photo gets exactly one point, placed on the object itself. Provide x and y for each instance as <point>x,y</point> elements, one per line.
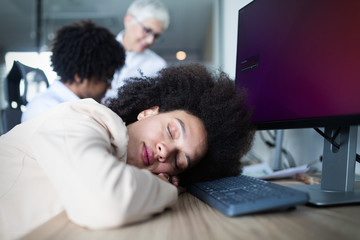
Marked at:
<point>97,189</point>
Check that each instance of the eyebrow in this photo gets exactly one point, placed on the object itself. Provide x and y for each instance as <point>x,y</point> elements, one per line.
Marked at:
<point>182,124</point>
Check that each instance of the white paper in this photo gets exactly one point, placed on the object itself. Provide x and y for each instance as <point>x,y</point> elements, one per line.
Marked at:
<point>264,171</point>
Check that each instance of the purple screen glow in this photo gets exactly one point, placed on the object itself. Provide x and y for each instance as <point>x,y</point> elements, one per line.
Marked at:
<point>305,56</point>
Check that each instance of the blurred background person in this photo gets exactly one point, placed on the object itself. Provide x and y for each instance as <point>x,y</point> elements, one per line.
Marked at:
<point>85,56</point>
<point>144,22</point>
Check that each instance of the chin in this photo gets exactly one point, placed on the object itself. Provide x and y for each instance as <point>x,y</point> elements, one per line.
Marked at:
<point>140,50</point>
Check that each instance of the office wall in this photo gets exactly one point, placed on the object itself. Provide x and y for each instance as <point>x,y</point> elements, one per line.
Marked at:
<point>228,25</point>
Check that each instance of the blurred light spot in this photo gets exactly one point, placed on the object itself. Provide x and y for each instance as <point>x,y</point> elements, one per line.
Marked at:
<point>180,55</point>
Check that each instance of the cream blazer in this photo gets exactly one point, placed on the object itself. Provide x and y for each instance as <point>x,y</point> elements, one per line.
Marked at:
<point>73,158</point>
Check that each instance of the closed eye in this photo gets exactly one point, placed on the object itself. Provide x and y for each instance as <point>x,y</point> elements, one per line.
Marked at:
<point>171,135</point>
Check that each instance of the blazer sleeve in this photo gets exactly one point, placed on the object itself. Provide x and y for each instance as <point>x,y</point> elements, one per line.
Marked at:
<point>98,189</point>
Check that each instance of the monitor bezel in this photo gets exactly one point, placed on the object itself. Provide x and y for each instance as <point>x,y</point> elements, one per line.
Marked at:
<point>318,122</point>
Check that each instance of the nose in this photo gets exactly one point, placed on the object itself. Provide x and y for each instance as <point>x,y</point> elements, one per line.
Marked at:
<point>163,151</point>
<point>150,39</point>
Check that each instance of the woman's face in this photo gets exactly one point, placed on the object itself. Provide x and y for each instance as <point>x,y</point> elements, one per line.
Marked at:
<point>168,142</point>
<point>141,35</point>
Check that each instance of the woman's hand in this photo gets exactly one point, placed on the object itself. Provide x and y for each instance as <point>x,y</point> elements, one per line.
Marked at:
<point>174,180</point>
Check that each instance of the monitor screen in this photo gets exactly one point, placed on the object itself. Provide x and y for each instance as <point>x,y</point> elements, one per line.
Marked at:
<point>300,61</point>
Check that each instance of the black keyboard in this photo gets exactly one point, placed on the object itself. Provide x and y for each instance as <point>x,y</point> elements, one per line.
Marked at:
<point>242,194</point>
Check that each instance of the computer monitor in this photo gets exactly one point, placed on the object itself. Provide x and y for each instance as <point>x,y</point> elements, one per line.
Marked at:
<point>300,61</point>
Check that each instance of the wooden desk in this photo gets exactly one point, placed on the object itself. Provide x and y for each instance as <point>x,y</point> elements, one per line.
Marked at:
<point>192,219</point>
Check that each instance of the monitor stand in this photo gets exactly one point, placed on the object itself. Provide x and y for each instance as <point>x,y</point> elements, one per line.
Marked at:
<point>279,135</point>
<point>338,184</point>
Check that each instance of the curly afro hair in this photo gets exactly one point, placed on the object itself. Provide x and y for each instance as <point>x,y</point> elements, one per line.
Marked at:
<point>211,97</point>
<point>88,50</point>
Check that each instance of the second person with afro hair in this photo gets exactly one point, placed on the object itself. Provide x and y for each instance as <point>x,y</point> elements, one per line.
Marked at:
<point>85,56</point>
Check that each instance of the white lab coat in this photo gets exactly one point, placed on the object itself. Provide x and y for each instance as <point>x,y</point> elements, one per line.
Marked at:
<point>57,93</point>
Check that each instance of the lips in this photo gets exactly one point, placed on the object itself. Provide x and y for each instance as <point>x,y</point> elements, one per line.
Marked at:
<point>147,155</point>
